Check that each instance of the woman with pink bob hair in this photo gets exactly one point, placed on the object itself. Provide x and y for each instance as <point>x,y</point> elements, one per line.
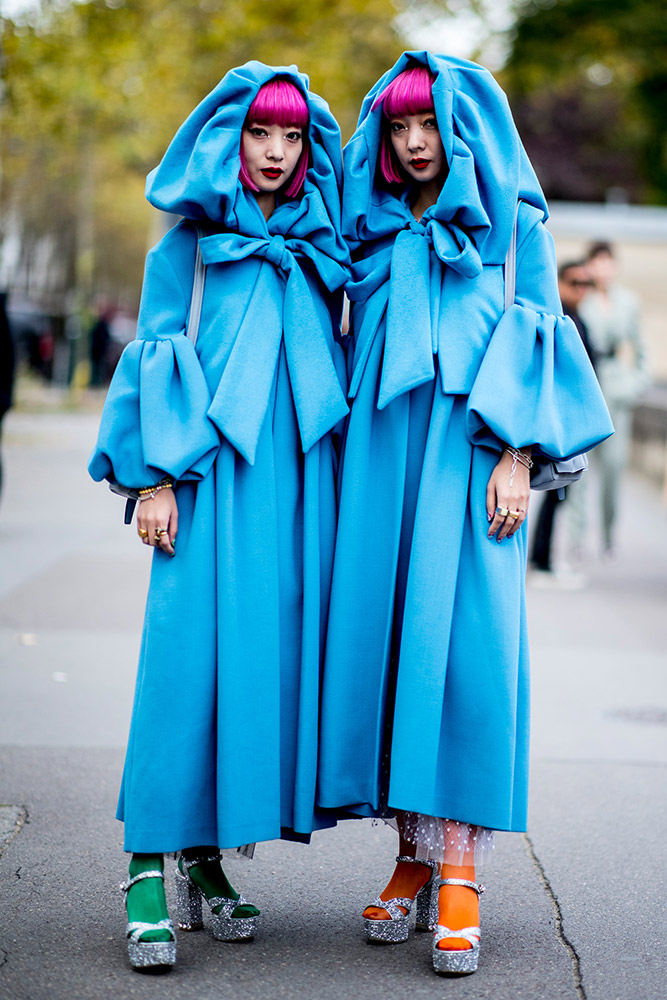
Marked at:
<point>219,423</point>
<point>459,380</point>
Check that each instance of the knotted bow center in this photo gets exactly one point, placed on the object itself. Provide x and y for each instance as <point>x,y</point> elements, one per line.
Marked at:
<point>418,228</point>
<point>281,310</point>
<point>277,253</point>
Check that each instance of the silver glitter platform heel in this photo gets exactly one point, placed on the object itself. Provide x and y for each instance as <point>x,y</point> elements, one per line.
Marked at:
<point>397,928</point>
<point>459,963</point>
<point>189,899</point>
<point>147,954</point>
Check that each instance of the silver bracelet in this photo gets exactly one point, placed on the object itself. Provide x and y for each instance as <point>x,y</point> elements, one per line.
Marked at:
<point>518,456</point>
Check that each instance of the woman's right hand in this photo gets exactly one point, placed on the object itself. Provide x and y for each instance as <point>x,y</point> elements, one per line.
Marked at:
<point>157,521</point>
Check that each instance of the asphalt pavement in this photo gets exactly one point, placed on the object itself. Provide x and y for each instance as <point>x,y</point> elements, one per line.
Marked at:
<point>576,909</point>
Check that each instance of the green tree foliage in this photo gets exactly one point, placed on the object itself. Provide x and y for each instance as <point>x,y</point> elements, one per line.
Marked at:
<point>588,84</point>
<point>93,92</point>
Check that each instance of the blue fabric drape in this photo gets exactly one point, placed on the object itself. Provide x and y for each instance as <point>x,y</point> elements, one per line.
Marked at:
<point>425,692</point>
<point>224,737</point>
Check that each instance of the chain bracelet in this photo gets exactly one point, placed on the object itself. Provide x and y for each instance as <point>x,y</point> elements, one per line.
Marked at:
<point>518,456</point>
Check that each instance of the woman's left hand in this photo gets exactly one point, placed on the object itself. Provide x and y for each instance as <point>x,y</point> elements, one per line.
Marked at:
<point>507,506</point>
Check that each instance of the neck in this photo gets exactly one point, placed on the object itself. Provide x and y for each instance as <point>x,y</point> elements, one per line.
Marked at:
<point>427,195</point>
<point>267,203</point>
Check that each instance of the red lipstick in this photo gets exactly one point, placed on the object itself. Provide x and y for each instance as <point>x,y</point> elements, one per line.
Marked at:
<point>419,163</point>
<point>272,173</point>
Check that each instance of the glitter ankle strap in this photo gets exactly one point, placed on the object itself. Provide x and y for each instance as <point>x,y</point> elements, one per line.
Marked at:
<point>189,863</point>
<point>479,889</point>
<point>126,886</point>
<point>433,865</point>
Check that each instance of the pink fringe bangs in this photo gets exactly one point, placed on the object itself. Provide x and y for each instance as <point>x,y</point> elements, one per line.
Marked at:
<point>410,93</point>
<point>279,102</point>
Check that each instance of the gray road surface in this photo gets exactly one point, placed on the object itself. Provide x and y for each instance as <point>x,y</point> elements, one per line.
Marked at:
<point>574,910</point>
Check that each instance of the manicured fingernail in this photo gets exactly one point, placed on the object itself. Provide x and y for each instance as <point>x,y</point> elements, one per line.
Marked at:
<point>489,517</point>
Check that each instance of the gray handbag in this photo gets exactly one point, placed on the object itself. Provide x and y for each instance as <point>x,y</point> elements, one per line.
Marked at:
<point>546,473</point>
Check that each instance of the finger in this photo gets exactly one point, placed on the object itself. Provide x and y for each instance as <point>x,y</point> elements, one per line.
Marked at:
<point>490,499</point>
<point>499,516</point>
<point>496,525</point>
<point>510,526</point>
<point>142,531</point>
<point>161,539</point>
<point>166,544</point>
<point>505,529</point>
<point>517,523</point>
<point>512,519</point>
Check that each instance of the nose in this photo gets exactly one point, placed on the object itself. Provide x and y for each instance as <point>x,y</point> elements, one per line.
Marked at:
<point>275,150</point>
<point>415,138</point>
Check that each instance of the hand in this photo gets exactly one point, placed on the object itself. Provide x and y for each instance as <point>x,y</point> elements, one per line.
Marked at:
<point>501,496</point>
<point>160,512</point>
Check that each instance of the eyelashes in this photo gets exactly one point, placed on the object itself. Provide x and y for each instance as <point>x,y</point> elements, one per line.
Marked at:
<point>261,133</point>
<point>430,124</point>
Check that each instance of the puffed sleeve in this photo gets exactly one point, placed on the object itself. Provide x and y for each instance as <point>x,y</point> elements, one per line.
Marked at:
<point>155,422</point>
<point>536,385</point>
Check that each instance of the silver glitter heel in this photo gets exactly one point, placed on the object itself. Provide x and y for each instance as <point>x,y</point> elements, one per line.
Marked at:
<point>397,928</point>
<point>147,954</point>
<point>427,898</point>
<point>460,963</point>
<point>189,898</point>
<point>188,903</point>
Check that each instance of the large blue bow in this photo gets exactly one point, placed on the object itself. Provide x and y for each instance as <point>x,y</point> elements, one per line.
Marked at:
<point>280,309</point>
<point>413,270</point>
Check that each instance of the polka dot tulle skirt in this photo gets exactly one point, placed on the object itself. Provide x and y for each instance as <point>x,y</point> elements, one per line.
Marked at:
<point>445,840</point>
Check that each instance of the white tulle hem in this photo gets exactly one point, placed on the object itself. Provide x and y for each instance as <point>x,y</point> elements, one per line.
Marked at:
<point>445,840</point>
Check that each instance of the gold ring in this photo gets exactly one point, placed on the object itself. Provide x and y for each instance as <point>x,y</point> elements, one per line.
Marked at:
<point>514,514</point>
<point>143,533</point>
<point>503,511</point>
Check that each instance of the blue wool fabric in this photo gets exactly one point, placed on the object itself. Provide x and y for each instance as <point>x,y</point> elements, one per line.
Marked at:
<point>426,690</point>
<point>224,737</point>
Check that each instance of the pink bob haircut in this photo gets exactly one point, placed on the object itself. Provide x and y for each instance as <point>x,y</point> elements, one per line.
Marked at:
<point>410,93</point>
<point>279,102</point>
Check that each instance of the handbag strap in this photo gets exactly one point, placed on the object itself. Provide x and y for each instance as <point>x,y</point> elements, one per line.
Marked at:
<point>192,328</point>
<point>510,266</point>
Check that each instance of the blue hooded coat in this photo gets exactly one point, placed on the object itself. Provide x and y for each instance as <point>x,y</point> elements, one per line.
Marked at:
<point>425,691</point>
<point>223,742</point>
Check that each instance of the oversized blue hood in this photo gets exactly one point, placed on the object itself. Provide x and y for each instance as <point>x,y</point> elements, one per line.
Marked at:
<point>489,171</point>
<point>272,288</point>
<point>198,176</point>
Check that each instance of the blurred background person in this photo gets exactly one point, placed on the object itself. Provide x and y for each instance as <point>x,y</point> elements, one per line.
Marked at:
<point>611,315</point>
<point>100,336</point>
<point>573,284</point>
<point>6,368</point>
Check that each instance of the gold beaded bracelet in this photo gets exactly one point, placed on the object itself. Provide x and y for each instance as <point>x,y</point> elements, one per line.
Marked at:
<point>149,492</point>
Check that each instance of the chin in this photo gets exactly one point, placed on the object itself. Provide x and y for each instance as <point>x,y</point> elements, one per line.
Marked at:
<point>423,176</point>
<point>268,187</point>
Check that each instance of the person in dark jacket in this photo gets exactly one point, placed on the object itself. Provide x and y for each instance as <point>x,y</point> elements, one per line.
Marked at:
<point>573,284</point>
<point>6,367</point>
